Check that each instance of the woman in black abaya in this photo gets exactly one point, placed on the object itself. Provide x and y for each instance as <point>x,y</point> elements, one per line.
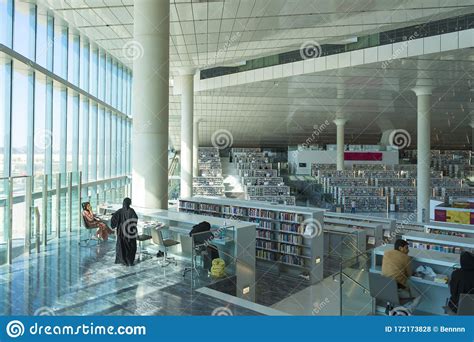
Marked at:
<point>125,220</point>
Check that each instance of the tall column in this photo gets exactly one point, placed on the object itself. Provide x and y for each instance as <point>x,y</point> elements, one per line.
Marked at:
<point>150,54</point>
<point>340,143</point>
<point>196,148</point>
<point>186,154</point>
<point>423,94</point>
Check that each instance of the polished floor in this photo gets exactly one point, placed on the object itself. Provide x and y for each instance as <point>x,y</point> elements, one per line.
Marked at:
<point>66,279</point>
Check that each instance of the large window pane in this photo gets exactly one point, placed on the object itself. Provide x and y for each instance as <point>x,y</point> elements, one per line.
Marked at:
<point>41,137</point>
<point>5,90</point>
<point>6,22</point>
<point>43,47</point>
<point>24,29</point>
<point>94,68</point>
<point>60,49</point>
<point>22,80</point>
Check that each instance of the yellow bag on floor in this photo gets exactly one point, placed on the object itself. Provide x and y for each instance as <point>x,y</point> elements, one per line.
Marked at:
<point>218,268</point>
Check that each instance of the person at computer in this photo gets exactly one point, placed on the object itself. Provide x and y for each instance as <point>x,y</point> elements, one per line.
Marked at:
<point>91,221</point>
<point>396,264</point>
<point>125,220</point>
<point>462,280</point>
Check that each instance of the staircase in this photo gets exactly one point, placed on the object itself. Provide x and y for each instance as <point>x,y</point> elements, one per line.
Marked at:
<point>233,187</point>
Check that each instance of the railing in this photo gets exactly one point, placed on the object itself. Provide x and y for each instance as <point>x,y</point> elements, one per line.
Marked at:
<point>37,209</point>
<point>354,292</point>
<point>431,28</point>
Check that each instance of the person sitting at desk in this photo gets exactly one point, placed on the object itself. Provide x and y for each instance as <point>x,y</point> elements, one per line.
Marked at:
<point>91,221</point>
<point>396,264</point>
<point>125,220</point>
<point>462,280</point>
<point>212,251</point>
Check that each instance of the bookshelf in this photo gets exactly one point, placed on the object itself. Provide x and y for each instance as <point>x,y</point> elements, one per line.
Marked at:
<point>374,231</point>
<point>405,203</point>
<point>365,203</point>
<point>439,242</point>
<point>258,173</point>
<point>262,181</point>
<point>281,238</point>
<point>210,181</point>
<point>286,200</point>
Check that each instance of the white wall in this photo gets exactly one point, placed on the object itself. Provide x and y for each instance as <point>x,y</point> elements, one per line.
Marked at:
<point>308,157</point>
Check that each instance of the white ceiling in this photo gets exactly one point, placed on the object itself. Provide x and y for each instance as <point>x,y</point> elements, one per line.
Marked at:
<point>208,33</point>
<point>372,98</point>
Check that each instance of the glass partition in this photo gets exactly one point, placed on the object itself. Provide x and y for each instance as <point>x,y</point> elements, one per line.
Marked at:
<point>353,278</point>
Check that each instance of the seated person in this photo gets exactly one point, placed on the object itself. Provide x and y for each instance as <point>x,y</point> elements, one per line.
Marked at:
<point>462,280</point>
<point>212,251</point>
<point>103,231</point>
<point>396,264</point>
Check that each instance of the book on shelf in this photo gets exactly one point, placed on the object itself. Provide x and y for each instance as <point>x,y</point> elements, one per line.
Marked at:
<point>435,247</point>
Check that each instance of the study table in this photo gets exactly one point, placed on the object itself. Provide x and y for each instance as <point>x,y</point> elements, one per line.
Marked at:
<point>239,242</point>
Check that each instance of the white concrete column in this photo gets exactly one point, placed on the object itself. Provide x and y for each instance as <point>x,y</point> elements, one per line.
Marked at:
<point>150,53</point>
<point>187,113</point>
<point>196,148</point>
<point>423,94</point>
<point>340,143</point>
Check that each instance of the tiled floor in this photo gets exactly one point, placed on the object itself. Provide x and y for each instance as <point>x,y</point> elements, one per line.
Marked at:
<point>66,279</point>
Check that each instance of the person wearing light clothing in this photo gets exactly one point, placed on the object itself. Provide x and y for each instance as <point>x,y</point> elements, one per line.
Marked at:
<point>396,264</point>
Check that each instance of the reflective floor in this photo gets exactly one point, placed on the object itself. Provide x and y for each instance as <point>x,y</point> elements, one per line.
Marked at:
<point>66,279</point>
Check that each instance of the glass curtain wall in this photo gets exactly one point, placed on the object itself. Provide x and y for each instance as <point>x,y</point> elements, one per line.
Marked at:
<point>74,118</point>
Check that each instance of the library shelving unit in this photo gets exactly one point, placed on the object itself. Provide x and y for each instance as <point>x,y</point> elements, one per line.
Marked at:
<point>267,190</point>
<point>262,181</point>
<point>439,242</point>
<point>289,237</point>
<point>366,203</point>
<point>375,231</point>
<point>451,229</point>
<point>405,204</point>
<point>285,200</point>
<point>435,290</point>
<point>258,173</point>
<point>254,166</point>
<point>210,181</point>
